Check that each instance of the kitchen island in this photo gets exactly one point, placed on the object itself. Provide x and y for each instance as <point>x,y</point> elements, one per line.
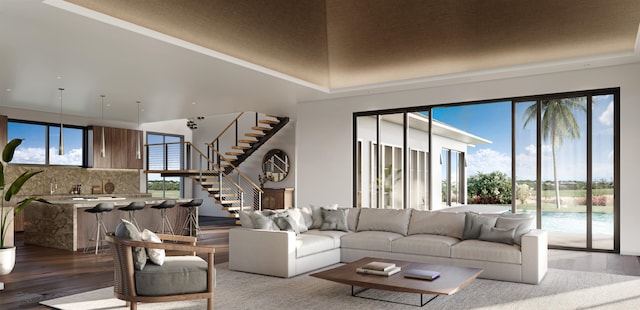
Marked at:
<point>63,224</point>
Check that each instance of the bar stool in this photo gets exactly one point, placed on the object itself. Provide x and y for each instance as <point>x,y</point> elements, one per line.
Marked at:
<point>167,204</point>
<point>132,208</point>
<point>191,223</point>
<point>99,210</point>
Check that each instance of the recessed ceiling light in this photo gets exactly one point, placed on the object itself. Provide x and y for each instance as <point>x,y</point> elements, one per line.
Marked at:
<point>193,102</point>
<point>8,89</point>
<point>59,78</point>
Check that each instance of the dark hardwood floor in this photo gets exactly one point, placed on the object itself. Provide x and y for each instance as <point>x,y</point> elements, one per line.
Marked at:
<point>44,273</point>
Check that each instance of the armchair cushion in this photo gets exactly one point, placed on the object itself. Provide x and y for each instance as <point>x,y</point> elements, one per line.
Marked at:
<point>178,275</point>
<point>126,229</point>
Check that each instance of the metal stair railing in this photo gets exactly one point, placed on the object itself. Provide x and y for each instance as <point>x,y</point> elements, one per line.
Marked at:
<point>244,182</point>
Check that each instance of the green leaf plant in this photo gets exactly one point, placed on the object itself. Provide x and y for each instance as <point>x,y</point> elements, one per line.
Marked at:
<point>10,190</point>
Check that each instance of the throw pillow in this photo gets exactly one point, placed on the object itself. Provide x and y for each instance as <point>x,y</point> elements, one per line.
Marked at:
<point>306,214</point>
<point>522,223</point>
<point>261,221</point>
<point>126,229</point>
<point>285,222</point>
<point>245,219</point>
<point>155,255</point>
<point>493,234</point>
<point>316,214</point>
<point>334,220</point>
<point>352,217</point>
<point>297,216</point>
<point>472,223</point>
<point>391,220</point>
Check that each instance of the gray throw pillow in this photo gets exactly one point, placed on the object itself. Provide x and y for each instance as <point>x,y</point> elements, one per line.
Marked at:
<point>261,221</point>
<point>493,234</point>
<point>472,223</point>
<point>316,214</point>
<point>334,220</point>
<point>285,222</point>
<point>522,223</point>
<point>126,229</point>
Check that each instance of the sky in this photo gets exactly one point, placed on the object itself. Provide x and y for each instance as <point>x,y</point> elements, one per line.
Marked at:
<point>492,121</point>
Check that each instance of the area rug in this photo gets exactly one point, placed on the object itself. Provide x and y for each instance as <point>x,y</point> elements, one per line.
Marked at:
<point>560,289</point>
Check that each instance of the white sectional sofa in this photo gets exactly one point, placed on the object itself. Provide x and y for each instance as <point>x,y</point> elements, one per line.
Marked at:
<point>503,245</point>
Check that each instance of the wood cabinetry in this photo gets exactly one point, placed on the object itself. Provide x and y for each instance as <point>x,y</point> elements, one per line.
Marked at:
<point>120,148</point>
<point>277,198</point>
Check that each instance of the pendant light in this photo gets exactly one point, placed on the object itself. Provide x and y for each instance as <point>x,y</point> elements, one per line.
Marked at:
<point>138,140</point>
<point>61,142</point>
<point>102,149</point>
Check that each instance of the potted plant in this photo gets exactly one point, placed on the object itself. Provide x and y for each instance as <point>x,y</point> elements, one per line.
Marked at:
<point>8,253</point>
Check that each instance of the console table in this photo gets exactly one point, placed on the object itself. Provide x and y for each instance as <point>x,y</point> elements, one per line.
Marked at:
<point>277,198</point>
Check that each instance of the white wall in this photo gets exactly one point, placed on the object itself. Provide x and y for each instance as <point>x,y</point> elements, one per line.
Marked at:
<point>324,132</point>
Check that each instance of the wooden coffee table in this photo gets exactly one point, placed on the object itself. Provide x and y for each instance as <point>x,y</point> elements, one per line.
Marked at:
<point>452,278</point>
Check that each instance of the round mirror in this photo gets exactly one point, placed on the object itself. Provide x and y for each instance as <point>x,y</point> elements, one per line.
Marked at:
<point>275,165</point>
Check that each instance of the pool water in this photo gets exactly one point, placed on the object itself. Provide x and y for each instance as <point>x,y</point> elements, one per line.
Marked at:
<point>570,222</point>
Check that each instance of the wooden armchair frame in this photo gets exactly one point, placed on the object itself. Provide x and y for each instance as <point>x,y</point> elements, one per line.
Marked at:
<point>124,280</point>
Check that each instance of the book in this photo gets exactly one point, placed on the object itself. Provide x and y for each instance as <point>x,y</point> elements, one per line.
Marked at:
<point>387,273</point>
<point>380,266</point>
<point>421,274</point>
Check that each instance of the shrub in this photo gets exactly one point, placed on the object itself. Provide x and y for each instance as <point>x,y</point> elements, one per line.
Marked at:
<point>489,188</point>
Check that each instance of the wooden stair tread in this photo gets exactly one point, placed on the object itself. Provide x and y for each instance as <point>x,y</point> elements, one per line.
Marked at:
<point>247,141</point>
<point>268,121</point>
<point>254,134</point>
<point>233,153</point>
<point>237,208</point>
<point>240,147</point>
<point>260,128</point>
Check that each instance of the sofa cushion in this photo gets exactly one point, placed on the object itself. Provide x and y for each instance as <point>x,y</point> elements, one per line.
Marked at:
<point>472,223</point>
<point>431,245</point>
<point>126,229</point>
<point>487,251</point>
<point>245,219</point>
<point>285,222</point>
<point>307,244</point>
<point>334,219</point>
<point>336,235</point>
<point>436,223</point>
<point>178,275</point>
<point>493,234</point>
<point>522,223</point>
<point>390,220</point>
<point>370,240</point>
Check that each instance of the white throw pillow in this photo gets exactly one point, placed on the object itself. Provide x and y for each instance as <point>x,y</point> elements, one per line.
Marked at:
<point>155,255</point>
<point>296,215</point>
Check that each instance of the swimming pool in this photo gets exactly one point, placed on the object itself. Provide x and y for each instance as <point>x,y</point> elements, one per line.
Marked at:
<point>571,222</point>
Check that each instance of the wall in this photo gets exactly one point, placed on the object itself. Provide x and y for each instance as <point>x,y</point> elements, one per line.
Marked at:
<point>324,132</point>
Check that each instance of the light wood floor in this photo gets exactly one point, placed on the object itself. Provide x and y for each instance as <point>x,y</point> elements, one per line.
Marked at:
<point>44,273</point>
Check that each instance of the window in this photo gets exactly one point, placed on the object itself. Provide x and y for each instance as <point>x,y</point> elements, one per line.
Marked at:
<point>41,140</point>
<point>164,153</point>
<point>553,156</point>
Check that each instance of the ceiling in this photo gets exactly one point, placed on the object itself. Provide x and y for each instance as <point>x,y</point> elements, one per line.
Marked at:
<point>187,58</point>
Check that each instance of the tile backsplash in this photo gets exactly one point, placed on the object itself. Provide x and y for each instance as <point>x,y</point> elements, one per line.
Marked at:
<point>125,181</point>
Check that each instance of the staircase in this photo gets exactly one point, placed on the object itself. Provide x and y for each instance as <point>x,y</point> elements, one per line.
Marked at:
<point>216,170</point>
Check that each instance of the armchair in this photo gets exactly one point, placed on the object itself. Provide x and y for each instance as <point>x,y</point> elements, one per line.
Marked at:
<point>159,283</point>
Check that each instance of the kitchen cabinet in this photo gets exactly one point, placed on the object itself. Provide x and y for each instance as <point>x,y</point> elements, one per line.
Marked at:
<point>120,148</point>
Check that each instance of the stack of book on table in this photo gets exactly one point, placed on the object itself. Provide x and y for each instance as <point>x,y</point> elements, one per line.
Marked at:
<point>379,268</point>
<point>421,274</point>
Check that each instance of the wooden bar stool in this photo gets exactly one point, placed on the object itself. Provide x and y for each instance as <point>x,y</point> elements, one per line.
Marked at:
<point>164,222</point>
<point>132,208</point>
<point>99,210</point>
<point>191,223</point>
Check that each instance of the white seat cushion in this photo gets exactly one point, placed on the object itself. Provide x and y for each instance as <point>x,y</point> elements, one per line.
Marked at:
<point>370,240</point>
<point>487,251</point>
<point>431,245</point>
<point>307,244</point>
<point>336,235</point>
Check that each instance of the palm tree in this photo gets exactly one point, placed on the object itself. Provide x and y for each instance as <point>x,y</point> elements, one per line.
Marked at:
<point>558,124</point>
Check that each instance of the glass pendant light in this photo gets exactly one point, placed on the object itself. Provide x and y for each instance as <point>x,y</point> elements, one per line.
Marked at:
<point>138,140</point>
<point>61,142</point>
<point>102,149</point>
